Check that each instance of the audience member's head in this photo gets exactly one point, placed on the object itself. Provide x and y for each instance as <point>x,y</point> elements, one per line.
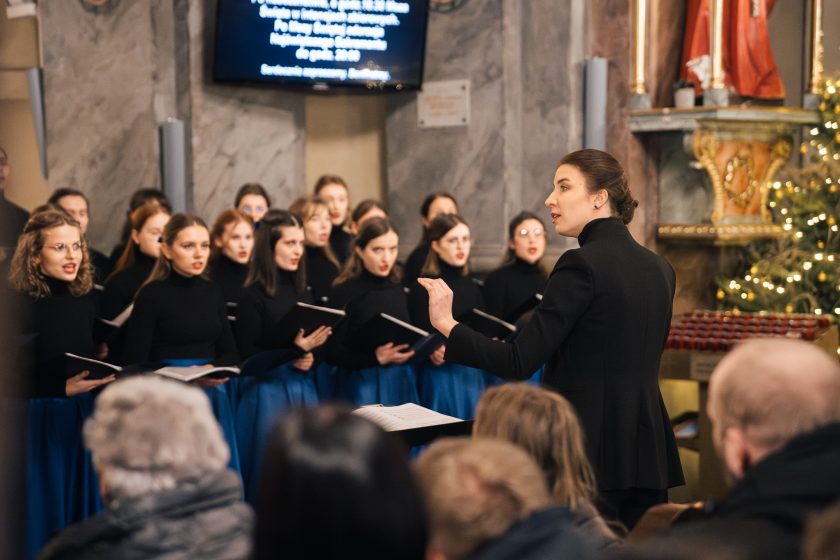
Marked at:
<point>334,191</point>
<point>51,247</point>
<point>149,434</point>
<point>544,424</point>
<point>766,392</point>
<point>75,203</point>
<point>822,535</point>
<point>334,485</point>
<point>476,490</point>
<point>252,200</point>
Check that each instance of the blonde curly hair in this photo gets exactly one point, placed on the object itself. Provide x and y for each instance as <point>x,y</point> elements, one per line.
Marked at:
<point>26,275</point>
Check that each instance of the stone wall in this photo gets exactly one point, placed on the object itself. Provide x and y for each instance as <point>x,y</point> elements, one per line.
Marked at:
<point>524,62</point>
<point>111,78</point>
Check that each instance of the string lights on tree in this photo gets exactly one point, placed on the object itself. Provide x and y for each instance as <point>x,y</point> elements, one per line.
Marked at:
<point>801,272</point>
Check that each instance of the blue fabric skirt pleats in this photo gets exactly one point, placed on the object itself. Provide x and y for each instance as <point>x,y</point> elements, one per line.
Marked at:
<point>61,484</point>
<point>325,381</point>
<point>220,402</point>
<point>262,399</point>
<point>453,389</point>
<point>388,385</point>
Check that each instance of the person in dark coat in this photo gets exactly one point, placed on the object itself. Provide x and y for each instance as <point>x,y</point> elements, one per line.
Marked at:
<point>600,331</point>
<point>12,216</point>
<point>488,500</point>
<point>775,418</point>
<point>161,459</point>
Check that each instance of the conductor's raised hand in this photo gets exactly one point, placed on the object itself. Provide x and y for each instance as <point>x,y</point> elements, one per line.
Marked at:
<point>390,354</point>
<point>78,384</point>
<point>440,305</point>
<point>314,339</point>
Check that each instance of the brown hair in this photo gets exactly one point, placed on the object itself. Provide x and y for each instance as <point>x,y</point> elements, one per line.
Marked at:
<point>544,424</point>
<point>476,490</point>
<point>364,207</point>
<point>439,227</point>
<point>262,271</point>
<point>138,219</point>
<point>174,226</point>
<point>304,208</point>
<point>230,216</point>
<point>602,171</point>
<point>26,275</point>
<point>251,188</point>
<point>325,180</point>
<point>426,206</point>
<point>371,229</point>
<point>58,194</point>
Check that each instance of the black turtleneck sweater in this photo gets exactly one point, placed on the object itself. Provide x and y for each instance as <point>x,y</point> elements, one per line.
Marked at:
<point>362,298</point>
<point>415,262</point>
<point>320,273</point>
<point>230,276</point>
<point>122,286</point>
<point>466,295</point>
<point>101,266</point>
<point>180,317</point>
<point>258,316</point>
<point>508,287</point>
<point>341,244</point>
<point>60,322</point>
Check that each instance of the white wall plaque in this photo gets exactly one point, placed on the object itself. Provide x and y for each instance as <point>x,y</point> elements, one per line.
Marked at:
<point>445,103</point>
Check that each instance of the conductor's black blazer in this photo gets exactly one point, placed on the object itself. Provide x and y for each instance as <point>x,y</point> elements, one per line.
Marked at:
<point>600,331</point>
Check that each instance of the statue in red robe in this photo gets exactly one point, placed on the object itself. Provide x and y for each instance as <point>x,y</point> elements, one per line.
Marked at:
<point>748,64</point>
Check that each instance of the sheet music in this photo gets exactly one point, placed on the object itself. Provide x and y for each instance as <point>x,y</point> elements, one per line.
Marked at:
<point>404,417</point>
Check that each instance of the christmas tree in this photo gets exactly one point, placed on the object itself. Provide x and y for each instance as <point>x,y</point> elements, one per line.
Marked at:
<point>799,273</point>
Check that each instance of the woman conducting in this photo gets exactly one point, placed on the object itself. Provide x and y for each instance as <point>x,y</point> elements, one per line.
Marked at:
<point>600,330</point>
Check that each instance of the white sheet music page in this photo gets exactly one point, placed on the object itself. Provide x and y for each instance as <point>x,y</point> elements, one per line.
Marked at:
<point>404,417</point>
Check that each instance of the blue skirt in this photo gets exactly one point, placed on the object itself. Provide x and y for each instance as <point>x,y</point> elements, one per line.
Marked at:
<point>220,402</point>
<point>61,484</point>
<point>325,381</point>
<point>536,379</point>
<point>388,385</point>
<point>262,399</point>
<point>453,389</point>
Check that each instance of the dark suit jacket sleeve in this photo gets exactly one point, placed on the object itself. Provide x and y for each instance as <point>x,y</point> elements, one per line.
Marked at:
<point>567,296</point>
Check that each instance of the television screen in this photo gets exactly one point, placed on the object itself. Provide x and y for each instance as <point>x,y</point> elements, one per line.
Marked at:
<point>373,44</point>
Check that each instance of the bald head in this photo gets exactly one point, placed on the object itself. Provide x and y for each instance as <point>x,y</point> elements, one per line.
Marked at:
<point>773,390</point>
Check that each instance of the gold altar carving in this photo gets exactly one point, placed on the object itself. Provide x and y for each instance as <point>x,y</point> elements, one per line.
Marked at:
<point>740,161</point>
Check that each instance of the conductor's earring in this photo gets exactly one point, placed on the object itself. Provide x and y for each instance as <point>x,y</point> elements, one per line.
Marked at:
<point>597,207</point>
